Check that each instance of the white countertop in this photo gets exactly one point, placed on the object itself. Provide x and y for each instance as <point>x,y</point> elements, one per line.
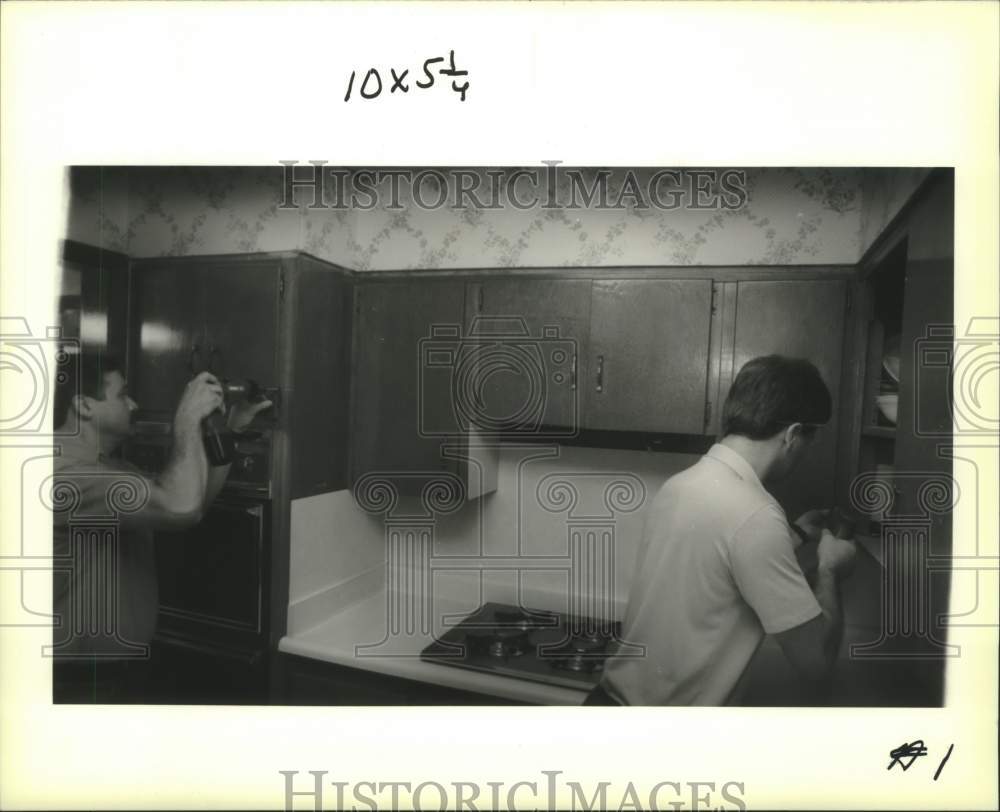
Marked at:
<point>346,637</point>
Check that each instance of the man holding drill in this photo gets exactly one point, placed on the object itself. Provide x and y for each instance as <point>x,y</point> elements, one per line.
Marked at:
<point>104,587</point>
<point>717,567</point>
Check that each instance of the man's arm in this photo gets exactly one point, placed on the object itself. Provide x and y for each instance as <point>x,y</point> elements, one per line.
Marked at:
<point>812,646</point>
<point>176,498</point>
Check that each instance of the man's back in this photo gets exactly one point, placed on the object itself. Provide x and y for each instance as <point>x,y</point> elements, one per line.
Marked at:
<point>716,569</point>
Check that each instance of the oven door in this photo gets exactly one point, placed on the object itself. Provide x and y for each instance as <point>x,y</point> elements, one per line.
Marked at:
<point>212,576</point>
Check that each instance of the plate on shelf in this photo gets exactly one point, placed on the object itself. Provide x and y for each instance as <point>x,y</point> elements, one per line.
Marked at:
<point>890,358</point>
<point>888,405</point>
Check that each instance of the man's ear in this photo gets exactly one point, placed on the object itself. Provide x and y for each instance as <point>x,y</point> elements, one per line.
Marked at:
<point>795,432</point>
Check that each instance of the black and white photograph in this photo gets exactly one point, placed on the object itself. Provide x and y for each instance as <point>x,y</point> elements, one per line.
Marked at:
<point>417,436</point>
<point>499,405</point>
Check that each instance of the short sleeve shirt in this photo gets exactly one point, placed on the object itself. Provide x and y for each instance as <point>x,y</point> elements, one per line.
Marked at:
<point>104,579</point>
<point>716,571</point>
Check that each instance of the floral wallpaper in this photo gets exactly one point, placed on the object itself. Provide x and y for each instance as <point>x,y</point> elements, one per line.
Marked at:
<point>791,216</point>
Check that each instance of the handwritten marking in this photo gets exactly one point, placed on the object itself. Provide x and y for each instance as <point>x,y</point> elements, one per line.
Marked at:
<point>943,762</point>
<point>372,87</point>
<point>906,750</point>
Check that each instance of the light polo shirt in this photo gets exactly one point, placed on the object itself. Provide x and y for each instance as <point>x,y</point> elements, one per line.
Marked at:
<point>104,575</point>
<point>716,571</point>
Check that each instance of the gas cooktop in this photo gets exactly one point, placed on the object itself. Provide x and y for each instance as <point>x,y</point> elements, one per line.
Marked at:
<point>549,647</point>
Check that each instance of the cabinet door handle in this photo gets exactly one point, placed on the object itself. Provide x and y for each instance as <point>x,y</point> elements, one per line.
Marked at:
<point>572,373</point>
<point>600,373</point>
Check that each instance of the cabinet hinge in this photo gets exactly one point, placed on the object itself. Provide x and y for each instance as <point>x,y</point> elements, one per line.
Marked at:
<point>715,296</point>
<point>281,284</point>
<point>479,299</point>
<point>850,299</point>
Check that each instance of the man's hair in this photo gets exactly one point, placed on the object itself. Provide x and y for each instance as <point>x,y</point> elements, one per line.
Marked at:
<point>84,377</point>
<point>772,392</point>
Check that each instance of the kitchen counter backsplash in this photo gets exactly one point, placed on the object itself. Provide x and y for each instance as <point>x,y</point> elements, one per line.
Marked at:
<point>560,533</point>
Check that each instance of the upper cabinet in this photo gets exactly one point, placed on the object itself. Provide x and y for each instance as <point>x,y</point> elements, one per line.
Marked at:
<point>649,353</point>
<point>801,319</point>
<point>190,315</point>
<point>407,352</point>
<point>526,342</point>
<point>280,320</point>
<point>469,359</point>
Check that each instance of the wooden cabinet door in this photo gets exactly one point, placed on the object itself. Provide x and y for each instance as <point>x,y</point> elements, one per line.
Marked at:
<point>925,414</point>
<point>241,319</point>
<point>649,346</point>
<point>532,335</point>
<point>408,337</point>
<point>801,320</point>
<point>167,335</point>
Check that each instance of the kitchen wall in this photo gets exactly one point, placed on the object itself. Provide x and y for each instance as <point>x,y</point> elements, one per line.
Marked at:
<point>339,551</point>
<point>791,216</point>
<point>883,193</point>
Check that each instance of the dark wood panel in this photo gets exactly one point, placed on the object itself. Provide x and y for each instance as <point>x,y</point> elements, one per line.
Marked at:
<point>801,320</point>
<point>924,424</point>
<point>320,379</point>
<point>541,384</point>
<point>212,577</point>
<point>402,407</point>
<point>241,319</point>
<point>649,355</point>
<point>168,335</point>
<point>719,273</point>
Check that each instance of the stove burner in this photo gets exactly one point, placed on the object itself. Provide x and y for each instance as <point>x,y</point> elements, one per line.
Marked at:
<point>587,645</point>
<point>579,663</point>
<point>543,646</point>
<point>507,642</point>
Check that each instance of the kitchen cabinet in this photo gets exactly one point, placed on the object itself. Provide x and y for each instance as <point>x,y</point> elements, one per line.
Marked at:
<point>528,338</point>
<point>195,315</point>
<point>240,318</point>
<point>93,304</point>
<point>280,320</point>
<point>907,342</point>
<point>407,351</point>
<point>802,319</point>
<point>649,350</point>
<point>284,321</point>
<point>167,336</point>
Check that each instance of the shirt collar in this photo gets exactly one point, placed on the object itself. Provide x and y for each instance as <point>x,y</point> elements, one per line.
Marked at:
<point>737,463</point>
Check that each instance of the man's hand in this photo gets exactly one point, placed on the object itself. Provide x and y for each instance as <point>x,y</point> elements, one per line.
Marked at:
<point>812,523</point>
<point>836,555</point>
<point>242,414</point>
<point>201,397</point>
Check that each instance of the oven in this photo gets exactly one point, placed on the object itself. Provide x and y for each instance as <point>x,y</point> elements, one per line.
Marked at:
<point>211,640</point>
